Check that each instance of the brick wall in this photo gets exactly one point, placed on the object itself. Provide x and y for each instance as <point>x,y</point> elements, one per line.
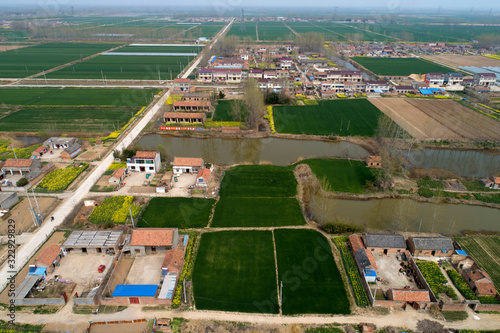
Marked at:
<point>487,307</point>
<point>41,301</point>
<point>421,277</point>
<point>453,307</point>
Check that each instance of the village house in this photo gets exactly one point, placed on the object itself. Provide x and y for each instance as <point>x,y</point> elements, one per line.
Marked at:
<point>184,117</point>
<point>192,106</point>
<point>344,76</point>
<point>49,258</point>
<point>145,161</point>
<point>193,96</point>
<point>377,86</point>
<point>8,199</point>
<point>480,282</point>
<point>152,240</point>
<point>452,79</point>
<point>117,176</point>
<point>374,161</point>
<point>39,151</point>
<point>72,151</point>
<point>435,79</point>
<point>20,166</point>
<point>485,79</point>
<point>492,182</point>
<point>255,73</point>
<point>286,63</point>
<point>203,177</point>
<point>187,165</point>
<point>408,295</point>
<point>181,85</point>
<point>403,89</point>
<point>59,142</point>
<point>385,243</point>
<point>430,246</point>
<point>93,242</point>
<point>364,258</point>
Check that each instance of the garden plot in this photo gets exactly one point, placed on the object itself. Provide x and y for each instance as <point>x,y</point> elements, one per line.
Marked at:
<point>431,119</point>
<point>400,66</point>
<point>235,271</point>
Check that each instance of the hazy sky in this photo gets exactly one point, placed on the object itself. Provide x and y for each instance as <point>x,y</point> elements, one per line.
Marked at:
<point>390,4</point>
<point>483,4</point>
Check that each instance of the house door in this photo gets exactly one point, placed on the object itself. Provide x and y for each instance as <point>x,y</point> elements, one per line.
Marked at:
<point>153,249</point>
<point>385,251</point>
<point>134,300</point>
<point>142,169</point>
<point>187,170</point>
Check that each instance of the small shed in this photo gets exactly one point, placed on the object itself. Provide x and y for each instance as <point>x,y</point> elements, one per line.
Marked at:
<point>374,161</point>
<point>430,246</point>
<point>117,176</point>
<point>203,177</point>
<point>187,165</point>
<point>72,151</point>
<point>39,151</point>
<point>153,240</point>
<point>8,199</point>
<point>93,241</point>
<point>49,258</point>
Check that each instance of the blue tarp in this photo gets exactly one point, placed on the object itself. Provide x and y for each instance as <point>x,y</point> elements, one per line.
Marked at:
<point>425,91</point>
<point>370,272</point>
<point>462,252</point>
<point>37,271</point>
<point>135,290</point>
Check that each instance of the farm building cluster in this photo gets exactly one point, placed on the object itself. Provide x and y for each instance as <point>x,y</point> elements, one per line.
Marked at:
<point>394,271</point>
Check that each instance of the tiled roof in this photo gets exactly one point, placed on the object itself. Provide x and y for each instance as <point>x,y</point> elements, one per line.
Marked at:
<point>48,255</point>
<point>188,161</point>
<point>191,103</point>
<point>432,243</point>
<point>187,115</point>
<point>118,173</point>
<point>485,288</point>
<point>205,173</point>
<point>371,259</point>
<point>477,275</point>
<point>145,154</point>
<point>174,259</point>
<point>18,163</point>
<point>408,295</point>
<point>385,240</point>
<point>182,80</point>
<point>356,242</point>
<point>152,237</point>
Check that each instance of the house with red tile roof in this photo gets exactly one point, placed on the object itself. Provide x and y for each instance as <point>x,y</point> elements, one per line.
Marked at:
<point>152,240</point>
<point>145,161</point>
<point>117,176</point>
<point>184,117</point>
<point>479,281</point>
<point>49,257</point>
<point>408,295</point>
<point>203,177</point>
<point>187,165</point>
<point>20,165</point>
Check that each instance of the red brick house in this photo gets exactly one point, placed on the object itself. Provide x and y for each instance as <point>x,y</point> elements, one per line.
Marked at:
<point>408,295</point>
<point>480,282</point>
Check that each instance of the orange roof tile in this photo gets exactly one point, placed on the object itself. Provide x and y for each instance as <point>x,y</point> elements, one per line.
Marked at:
<point>118,173</point>
<point>182,80</point>
<point>356,242</point>
<point>48,255</point>
<point>184,115</point>
<point>369,254</point>
<point>174,259</point>
<point>191,103</point>
<point>188,161</point>
<point>477,275</point>
<point>409,295</point>
<point>152,237</point>
<point>205,173</point>
<point>145,154</point>
<point>486,288</point>
<point>18,163</point>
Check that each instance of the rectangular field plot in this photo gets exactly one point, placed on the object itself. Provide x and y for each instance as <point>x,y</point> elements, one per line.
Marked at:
<point>337,117</point>
<point>235,271</point>
<point>179,213</point>
<point>342,175</point>
<point>249,30</point>
<point>311,279</point>
<point>257,212</point>
<point>68,120</point>
<point>273,31</point>
<point>141,48</point>
<point>400,66</point>
<point>258,181</point>
<point>125,68</point>
<point>76,96</point>
<point>486,252</point>
<point>32,60</point>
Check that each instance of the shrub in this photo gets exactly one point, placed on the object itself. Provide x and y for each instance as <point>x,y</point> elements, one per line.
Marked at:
<point>339,227</point>
<point>461,285</point>
<point>425,192</point>
<point>21,182</point>
<point>435,278</point>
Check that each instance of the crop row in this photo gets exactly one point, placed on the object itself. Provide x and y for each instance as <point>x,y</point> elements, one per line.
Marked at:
<point>115,210</point>
<point>187,269</point>
<point>352,271</point>
<point>59,179</point>
<point>435,278</point>
<point>460,284</point>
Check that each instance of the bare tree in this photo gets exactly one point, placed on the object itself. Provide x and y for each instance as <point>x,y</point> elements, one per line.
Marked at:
<point>254,101</point>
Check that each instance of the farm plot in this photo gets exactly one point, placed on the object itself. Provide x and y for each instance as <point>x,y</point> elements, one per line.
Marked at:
<point>66,120</point>
<point>337,117</point>
<point>159,48</point>
<point>76,97</point>
<point>27,61</point>
<point>311,280</point>
<point>223,111</point>
<point>125,68</point>
<point>179,213</point>
<point>204,30</point>
<point>258,181</point>
<point>486,252</point>
<point>114,210</point>
<point>342,175</point>
<point>235,271</point>
<point>273,31</point>
<point>59,179</point>
<point>250,31</point>
<point>257,212</point>
<point>436,279</point>
<point>431,119</point>
<point>399,66</point>
<point>455,60</point>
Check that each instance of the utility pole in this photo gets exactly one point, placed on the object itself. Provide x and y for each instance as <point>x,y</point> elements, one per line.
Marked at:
<point>131,216</point>
<point>32,210</point>
<point>36,201</point>
<point>14,152</point>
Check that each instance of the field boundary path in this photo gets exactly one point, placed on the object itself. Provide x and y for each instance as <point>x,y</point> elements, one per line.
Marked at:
<point>331,31</point>
<point>66,65</point>
<point>295,32</point>
<point>257,31</point>
<point>31,246</point>
<point>277,278</point>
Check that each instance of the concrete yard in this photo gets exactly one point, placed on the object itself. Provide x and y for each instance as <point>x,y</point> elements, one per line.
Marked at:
<point>146,269</point>
<point>388,270</point>
<point>81,268</point>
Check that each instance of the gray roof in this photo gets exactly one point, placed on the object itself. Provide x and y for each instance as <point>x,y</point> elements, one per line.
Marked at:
<point>432,243</point>
<point>25,287</point>
<point>74,147</point>
<point>362,258</point>
<point>385,240</point>
<point>7,195</point>
<point>92,239</point>
<point>61,140</point>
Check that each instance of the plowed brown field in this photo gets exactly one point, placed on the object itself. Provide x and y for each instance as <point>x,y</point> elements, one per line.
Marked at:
<point>432,119</point>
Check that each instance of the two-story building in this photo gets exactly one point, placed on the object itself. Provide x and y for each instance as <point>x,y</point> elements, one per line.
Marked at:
<point>453,79</point>
<point>181,85</point>
<point>145,161</point>
<point>435,79</point>
<point>377,87</point>
<point>485,79</point>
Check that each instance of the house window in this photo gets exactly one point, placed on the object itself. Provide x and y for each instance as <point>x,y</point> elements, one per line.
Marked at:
<point>132,167</point>
<point>151,168</point>
<point>148,161</point>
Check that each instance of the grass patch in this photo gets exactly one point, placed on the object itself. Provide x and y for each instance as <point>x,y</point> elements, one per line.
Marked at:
<point>258,181</point>
<point>180,213</point>
<point>476,185</point>
<point>311,279</point>
<point>257,212</point>
<point>489,198</point>
<point>430,183</point>
<point>235,271</point>
<point>352,117</point>
<point>342,175</point>
<point>223,111</point>
<point>455,315</point>
<point>399,66</point>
